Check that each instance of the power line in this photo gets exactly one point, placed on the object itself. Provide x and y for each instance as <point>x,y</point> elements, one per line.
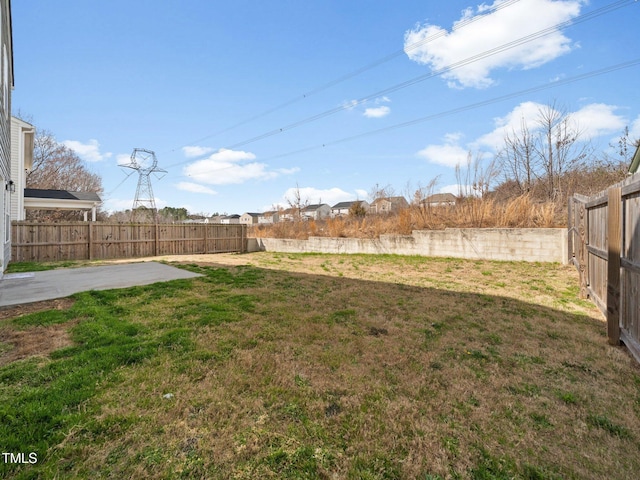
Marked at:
<point>500,49</point>
<point>465,108</point>
<point>119,185</point>
<point>358,71</point>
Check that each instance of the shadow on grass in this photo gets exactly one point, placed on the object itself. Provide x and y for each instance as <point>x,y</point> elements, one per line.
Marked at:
<point>291,375</point>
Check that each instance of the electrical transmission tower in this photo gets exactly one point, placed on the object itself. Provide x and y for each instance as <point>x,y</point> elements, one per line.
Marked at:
<point>145,163</point>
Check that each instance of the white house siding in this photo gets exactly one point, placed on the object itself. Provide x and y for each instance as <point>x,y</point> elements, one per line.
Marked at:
<point>5,132</point>
<point>249,219</point>
<point>268,218</point>
<point>317,212</point>
<point>19,132</point>
<point>344,210</point>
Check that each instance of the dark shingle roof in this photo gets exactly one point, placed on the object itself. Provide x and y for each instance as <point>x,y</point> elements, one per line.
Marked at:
<point>61,194</point>
<point>345,204</point>
<point>313,208</point>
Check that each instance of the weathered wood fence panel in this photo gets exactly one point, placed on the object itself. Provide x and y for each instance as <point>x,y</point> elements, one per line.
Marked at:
<point>607,256</point>
<point>88,241</point>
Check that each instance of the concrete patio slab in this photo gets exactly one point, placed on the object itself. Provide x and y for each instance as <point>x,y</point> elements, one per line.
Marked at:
<point>20,288</point>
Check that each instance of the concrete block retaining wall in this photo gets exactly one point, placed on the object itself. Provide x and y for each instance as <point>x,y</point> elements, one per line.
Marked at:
<point>510,244</point>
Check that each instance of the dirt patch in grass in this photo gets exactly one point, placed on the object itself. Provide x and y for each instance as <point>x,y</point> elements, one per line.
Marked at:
<point>24,309</point>
<point>35,341</point>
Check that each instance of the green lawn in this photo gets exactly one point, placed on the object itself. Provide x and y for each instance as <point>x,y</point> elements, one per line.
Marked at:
<point>325,366</point>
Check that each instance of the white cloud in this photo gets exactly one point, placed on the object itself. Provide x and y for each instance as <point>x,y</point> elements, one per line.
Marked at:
<point>123,159</point>
<point>194,151</point>
<point>377,112</point>
<point>440,49</point>
<point>591,121</point>
<point>350,104</point>
<point>527,113</point>
<point>361,193</point>
<point>598,119</point>
<point>634,129</point>
<point>225,155</point>
<point>448,154</point>
<point>454,188</point>
<point>288,171</point>
<point>89,152</point>
<point>195,188</point>
<point>227,167</point>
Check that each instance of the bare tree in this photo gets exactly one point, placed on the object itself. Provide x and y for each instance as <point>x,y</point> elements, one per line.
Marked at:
<point>378,191</point>
<point>544,152</point>
<point>517,158</point>
<point>626,146</point>
<point>297,202</point>
<point>57,167</point>
<point>560,146</point>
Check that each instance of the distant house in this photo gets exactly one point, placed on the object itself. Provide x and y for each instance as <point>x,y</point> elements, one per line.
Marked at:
<point>388,205</point>
<point>317,211</point>
<point>249,218</point>
<point>440,200</point>
<point>195,220</point>
<point>22,138</point>
<point>45,199</point>
<point>230,219</point>
<point>7,183</point>
<point>268,217</point>
<point>289,215</point>
<point>342,209</point>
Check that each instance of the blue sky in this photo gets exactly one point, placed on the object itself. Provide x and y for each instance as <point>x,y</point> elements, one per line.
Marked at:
<point>243,101</point>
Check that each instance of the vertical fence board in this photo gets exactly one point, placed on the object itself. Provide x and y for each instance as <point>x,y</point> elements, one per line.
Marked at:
<point>614,237</point>
<point>84,241</point>
<point>611,240</point>
<point>582,251</point>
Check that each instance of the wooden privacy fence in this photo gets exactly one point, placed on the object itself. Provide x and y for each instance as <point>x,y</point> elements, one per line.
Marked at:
<point>604,245</point>
<point>89,241</point>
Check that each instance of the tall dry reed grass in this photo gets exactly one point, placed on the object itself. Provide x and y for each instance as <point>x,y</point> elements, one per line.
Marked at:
<point>519,212</point>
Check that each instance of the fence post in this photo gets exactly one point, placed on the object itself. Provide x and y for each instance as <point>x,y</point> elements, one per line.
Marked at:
<point>243,238</point>
<point>582,251</point>
<point>614,231</point>
<point>90,239</point>
<point>570,235</point>
<point>156,241</point>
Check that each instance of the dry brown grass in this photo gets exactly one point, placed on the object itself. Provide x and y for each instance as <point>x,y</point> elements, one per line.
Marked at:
<point>35,342</point>
<point>329,366</point>
<point>519,212</point>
